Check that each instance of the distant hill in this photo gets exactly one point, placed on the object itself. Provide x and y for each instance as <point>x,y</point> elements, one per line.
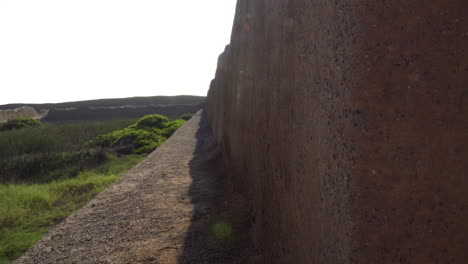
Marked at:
<point>105,109</point>
<point>151,100</point>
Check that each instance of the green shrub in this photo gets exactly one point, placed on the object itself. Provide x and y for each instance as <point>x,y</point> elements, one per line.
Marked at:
<point>151,121</point>
<point>171,127</point>
<point>186,116</point>
<point>19,123</point>
<point>144,136</point>
<point>139,138</point>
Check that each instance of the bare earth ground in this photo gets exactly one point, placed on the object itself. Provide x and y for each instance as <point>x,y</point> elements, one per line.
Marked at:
<point>174,207</point>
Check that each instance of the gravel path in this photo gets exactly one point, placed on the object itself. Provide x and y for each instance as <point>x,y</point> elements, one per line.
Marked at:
<point>174,207</point>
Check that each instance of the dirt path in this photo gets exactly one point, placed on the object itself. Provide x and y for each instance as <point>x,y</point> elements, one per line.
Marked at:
<point>174,207</point>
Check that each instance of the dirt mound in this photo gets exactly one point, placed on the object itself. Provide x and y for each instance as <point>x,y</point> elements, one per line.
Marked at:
<point>20,112</point>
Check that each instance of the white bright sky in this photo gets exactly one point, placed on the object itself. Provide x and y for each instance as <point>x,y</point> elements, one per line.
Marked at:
<point>68,50</point>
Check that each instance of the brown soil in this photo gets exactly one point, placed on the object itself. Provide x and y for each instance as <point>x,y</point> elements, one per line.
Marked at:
<point>174,207</point>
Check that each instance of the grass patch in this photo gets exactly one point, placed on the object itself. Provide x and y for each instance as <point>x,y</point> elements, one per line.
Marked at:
<point>28,211</point>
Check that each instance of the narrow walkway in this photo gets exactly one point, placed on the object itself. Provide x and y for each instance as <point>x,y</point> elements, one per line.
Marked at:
<point>174,207</point>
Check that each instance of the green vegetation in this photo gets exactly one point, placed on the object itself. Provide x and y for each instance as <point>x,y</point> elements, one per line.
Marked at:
<point>51,151</point>
<point>144,136</point>
<point>186,116</point>
<point>19,123</point>
<point>222,230</point>
<point>55,137</point>
<point>51,170</point>
<point>28,211</point>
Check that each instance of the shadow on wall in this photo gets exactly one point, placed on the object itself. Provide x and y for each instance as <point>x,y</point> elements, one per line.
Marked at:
<point>218,232</point>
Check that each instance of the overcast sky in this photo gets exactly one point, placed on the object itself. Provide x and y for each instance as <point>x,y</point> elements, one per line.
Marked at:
<point>67,50</point>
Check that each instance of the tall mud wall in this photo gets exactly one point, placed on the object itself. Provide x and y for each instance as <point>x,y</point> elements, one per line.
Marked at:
<point>345,123</point>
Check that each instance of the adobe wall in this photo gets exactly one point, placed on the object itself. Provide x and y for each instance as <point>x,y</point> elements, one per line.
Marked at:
<point>345,123</point>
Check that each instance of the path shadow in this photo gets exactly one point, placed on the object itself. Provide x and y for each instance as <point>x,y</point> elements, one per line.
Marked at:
<point>218,232</point>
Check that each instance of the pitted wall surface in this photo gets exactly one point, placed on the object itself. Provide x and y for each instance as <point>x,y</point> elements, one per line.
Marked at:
<point>345,123</point>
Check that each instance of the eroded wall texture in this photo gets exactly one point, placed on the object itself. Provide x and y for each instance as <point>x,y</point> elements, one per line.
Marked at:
<point>345,123</point>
